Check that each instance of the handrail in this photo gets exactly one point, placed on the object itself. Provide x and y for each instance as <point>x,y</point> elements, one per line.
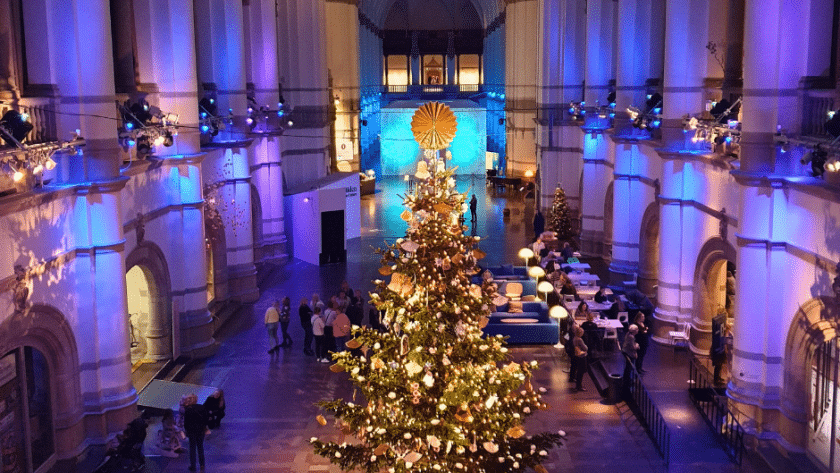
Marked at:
<point>716,411</point>
<point>638,398</point>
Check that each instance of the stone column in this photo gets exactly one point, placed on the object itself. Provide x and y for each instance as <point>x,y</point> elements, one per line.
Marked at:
<point>265,166</point>
<point>638,53</point>
<point>521,85</point>
<point>597,167</point>
<point>342,44</point>
<point>561,82</point>
<point>303,65</point>
<point>416,76</point>
<point>80,78</point>
<point>222,62</point>
<point>167,63</point>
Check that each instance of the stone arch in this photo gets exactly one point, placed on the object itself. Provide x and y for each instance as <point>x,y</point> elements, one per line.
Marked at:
<point>47,330</point>
<point>257,224</point>
<point>715,252</point>
<point>649,250</point>
<point>815,323</point>
<point>151,259</point>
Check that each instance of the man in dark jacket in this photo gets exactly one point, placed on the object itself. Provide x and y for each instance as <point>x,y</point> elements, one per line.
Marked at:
<point>539,224</point>
<point>305,313</point>
<point>195,424</point>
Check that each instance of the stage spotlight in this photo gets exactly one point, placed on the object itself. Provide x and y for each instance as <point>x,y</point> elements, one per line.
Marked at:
<point>281,101</point>
<point>143,146</point>
<point>653,101</point>
<point>168,140</point>
<point>611,99</point>
<point>50,165</point>
<point>724,111</point>
<point>832,126</point>
<point>208,106</point>
<point>15,124</point>
<point>18,175</point>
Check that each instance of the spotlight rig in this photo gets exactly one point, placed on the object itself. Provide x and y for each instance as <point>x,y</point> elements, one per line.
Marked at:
<point>19,159</point>
<point>822,155</point>
<point>651,116</point>
<point>145,126</point>
<point>723,128</point>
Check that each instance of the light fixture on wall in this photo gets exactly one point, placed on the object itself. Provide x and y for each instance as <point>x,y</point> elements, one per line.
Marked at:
<point>651,116</point>
<point>145,126</point>
<point>720,127</point>
<point>20,159</point>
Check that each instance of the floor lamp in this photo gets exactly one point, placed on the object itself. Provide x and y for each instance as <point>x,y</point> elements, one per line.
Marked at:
<point>526,254</point>
<point>536,272</point>
<point>558,312</point>
<point>545,287</point>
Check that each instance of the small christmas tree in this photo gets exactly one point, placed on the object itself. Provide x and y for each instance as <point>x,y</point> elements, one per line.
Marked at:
<point>435,395</point>
<point>561,223</point>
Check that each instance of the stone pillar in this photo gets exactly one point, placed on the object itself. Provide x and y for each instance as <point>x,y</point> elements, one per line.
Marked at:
<point>597,167</point>
<point>303,66</point>
<point>265,166</point>
<point>342,44</point>
<point>416,76</point>
<point>637,61</point>
<point>451,60</point>
<point>167,63</point>
<point>686,35</point>
<point>222,61</point>
<point>561,81</point>
<point>83,76</point>
<point>521,86</point>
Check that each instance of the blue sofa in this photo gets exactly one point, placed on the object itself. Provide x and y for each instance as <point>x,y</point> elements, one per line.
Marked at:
<point>542,332</point>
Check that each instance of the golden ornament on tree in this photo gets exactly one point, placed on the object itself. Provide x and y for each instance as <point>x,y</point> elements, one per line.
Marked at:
<point>434,126</point>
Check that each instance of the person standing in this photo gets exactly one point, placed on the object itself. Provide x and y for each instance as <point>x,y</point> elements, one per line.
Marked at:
<point>630,350</point>
<point>341,330</point>
<point>285,318</point>
<point>305,313</point>
<point>642,339</point>
<point>195,424</point>
<point>581,350</point>
<point>539,224</point>
<point>474,208</point>
<point>272,319</point>
<point>718,350</point>
<point>318,333</point>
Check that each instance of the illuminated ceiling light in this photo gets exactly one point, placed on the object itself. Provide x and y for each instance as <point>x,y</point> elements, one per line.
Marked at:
<point>290,123</point>
<point>337,100</point>
<point>529,173</point>
<point>38,169</point>
<point>159,141</point>
<point>50,164</point>
<point>18,175</point>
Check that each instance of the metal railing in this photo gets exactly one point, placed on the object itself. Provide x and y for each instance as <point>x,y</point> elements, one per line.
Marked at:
<point>41,116</point>
<point>638,399</point>
<point>713,405</point>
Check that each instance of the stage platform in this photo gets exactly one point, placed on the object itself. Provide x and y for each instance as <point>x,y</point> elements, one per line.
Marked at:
<point>160,395</point>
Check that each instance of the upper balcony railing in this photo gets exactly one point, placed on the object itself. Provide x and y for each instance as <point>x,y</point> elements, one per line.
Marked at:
<point>450,91</point>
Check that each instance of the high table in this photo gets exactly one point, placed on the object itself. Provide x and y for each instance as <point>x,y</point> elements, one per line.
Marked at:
<point>584,279</point>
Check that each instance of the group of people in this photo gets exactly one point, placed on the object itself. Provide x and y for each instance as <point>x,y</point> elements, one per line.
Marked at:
<point>327,323</point>
<point>192,421</point>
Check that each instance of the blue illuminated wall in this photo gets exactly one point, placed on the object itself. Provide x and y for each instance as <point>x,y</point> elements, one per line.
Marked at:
<point>399,152</point>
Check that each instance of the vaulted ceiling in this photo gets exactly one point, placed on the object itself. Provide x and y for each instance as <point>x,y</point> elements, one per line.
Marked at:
<point>431,14</point>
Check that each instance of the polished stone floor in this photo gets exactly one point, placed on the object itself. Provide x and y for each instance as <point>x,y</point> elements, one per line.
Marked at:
<point>271,411</point>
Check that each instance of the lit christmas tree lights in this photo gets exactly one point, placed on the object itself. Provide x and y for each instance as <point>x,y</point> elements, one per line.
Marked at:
<point>432,395</point>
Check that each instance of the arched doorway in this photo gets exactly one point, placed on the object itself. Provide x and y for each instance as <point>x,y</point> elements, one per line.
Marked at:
<point>257,225</point>
<point>812,351</point>
<point>216,256</point>
<point>649,251</point>
<point>149,305</point>
<point>40,401</point>
<point>608,221</point>
<point>715,266</point>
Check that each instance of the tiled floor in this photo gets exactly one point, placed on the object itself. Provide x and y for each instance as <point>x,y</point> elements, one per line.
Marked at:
<point>271,411</point>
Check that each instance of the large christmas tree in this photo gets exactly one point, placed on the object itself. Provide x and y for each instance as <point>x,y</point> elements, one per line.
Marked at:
<point>431,394</point>
<point>561,223</point>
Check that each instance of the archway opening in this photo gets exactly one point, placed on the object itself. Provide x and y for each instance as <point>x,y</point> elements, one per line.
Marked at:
<point>27,430</point>
<point>824,418</point>
<point>137,283</point>
<point>649,251</point>
<point>714,271</point>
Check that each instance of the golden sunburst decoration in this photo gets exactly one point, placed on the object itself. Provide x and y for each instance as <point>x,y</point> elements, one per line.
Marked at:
<point>434,126</point>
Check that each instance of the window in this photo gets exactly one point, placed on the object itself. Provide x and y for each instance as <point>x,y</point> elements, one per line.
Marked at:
<point>433,70</point>
<point>469,67</point>
<point>397,70</point>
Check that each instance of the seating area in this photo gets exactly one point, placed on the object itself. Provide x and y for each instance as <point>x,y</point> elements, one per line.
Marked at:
<point>531,326</point>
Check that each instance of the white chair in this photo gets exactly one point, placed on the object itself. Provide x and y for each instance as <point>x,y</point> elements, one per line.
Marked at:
<point>680,336</point>
<point>623,318</point>
<point>612,334</point>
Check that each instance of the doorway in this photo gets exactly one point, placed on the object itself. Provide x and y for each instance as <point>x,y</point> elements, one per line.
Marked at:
<point>26,424</point>
<point>332,238</point>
